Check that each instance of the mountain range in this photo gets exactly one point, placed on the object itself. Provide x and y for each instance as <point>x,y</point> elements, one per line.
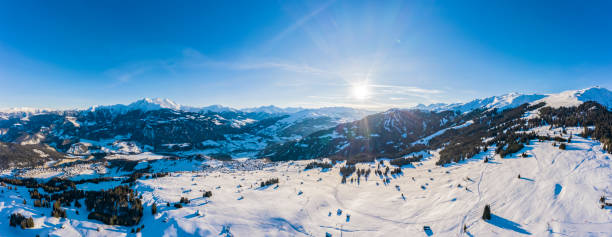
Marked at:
<point>163,126</point>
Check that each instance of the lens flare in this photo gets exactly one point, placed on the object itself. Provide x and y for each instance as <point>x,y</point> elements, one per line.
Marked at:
<point>361,91</point>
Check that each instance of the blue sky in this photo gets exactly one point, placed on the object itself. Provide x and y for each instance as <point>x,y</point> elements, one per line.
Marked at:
<point>73,54</point>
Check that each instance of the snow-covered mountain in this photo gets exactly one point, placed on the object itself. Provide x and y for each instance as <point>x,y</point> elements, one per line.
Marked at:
<point>210,108</point>
<point>342,114</point>
<point>337,114</point>
<point>570,98</point>
<point>271,109</point>
<point>566,99</point>
<point>23,111</point>
<point>162,125</point>
<point>499,102</point>
<point>146,104</point>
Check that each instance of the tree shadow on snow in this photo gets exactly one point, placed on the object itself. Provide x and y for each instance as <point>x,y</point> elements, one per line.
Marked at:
<point>528,179</point>
<point>558,189</point>
<point>507,224</point>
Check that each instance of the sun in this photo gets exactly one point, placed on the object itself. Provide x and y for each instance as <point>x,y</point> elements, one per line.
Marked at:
<point>361,91</point>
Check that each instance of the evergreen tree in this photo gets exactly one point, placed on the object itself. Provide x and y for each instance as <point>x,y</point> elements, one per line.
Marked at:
<point>486,215</point>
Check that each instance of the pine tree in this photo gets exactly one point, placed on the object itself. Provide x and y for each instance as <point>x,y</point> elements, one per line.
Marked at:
<point>154,209</point>
<point>486,215</point>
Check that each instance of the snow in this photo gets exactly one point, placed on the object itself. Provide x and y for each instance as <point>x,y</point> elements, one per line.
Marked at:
<point>73,120</point>
<point>237,123</point>
<point>499,102</point>
<point>140,156</point>
<point>442,131</point>
<point>512,100</point>
<point>25,110</point>
<point>42,154</point>
<point>271,109</point>
<point>211,108</point>
<point>339,114</point>
<point>146,104</point>
<point>576,97</point>
<point>558,193</point>
<point>32,139</point>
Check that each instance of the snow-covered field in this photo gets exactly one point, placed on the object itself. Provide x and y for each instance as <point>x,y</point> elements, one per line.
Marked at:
<point>557,195</point>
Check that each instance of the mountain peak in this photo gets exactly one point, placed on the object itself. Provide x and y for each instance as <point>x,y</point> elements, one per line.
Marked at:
<point>576,97</point>
<point>155,103</point>
<point>144,104</point>
<point>501,102</point>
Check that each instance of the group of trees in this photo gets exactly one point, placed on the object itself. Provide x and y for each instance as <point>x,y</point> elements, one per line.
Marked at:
<point>184,200</point>
<point>347,170</point>
<point>396,171</point>
<point>118,206</point>
<point>506,129</point>
<point>363,172</point>
<point>39,199</point>
<point>269,182</point>
<point>18,219</point>
<point>54,184</point>
<point>511,148</point>
<point>58,211</point>
<point>405,161</point>
<point>587,115</point>
<point>315,164</point>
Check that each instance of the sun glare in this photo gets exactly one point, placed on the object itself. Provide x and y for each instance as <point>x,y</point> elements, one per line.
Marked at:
<point>361,91</point>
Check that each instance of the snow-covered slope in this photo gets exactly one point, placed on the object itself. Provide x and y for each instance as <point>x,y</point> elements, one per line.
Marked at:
<point>28,110</point>
<point>557,194</point>
<point>570,98</point>
<point>339,114</point>
<point>271,109</point>
<point>145,104</point>
<point>566,99</point>
<point>211,108</point>
<point>342,114</point>
<point>499,102</point>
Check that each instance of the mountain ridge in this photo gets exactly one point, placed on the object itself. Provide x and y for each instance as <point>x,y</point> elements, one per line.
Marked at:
<point>504,101</point>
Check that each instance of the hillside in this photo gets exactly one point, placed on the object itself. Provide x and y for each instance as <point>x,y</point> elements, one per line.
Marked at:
<point>541,202</point>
